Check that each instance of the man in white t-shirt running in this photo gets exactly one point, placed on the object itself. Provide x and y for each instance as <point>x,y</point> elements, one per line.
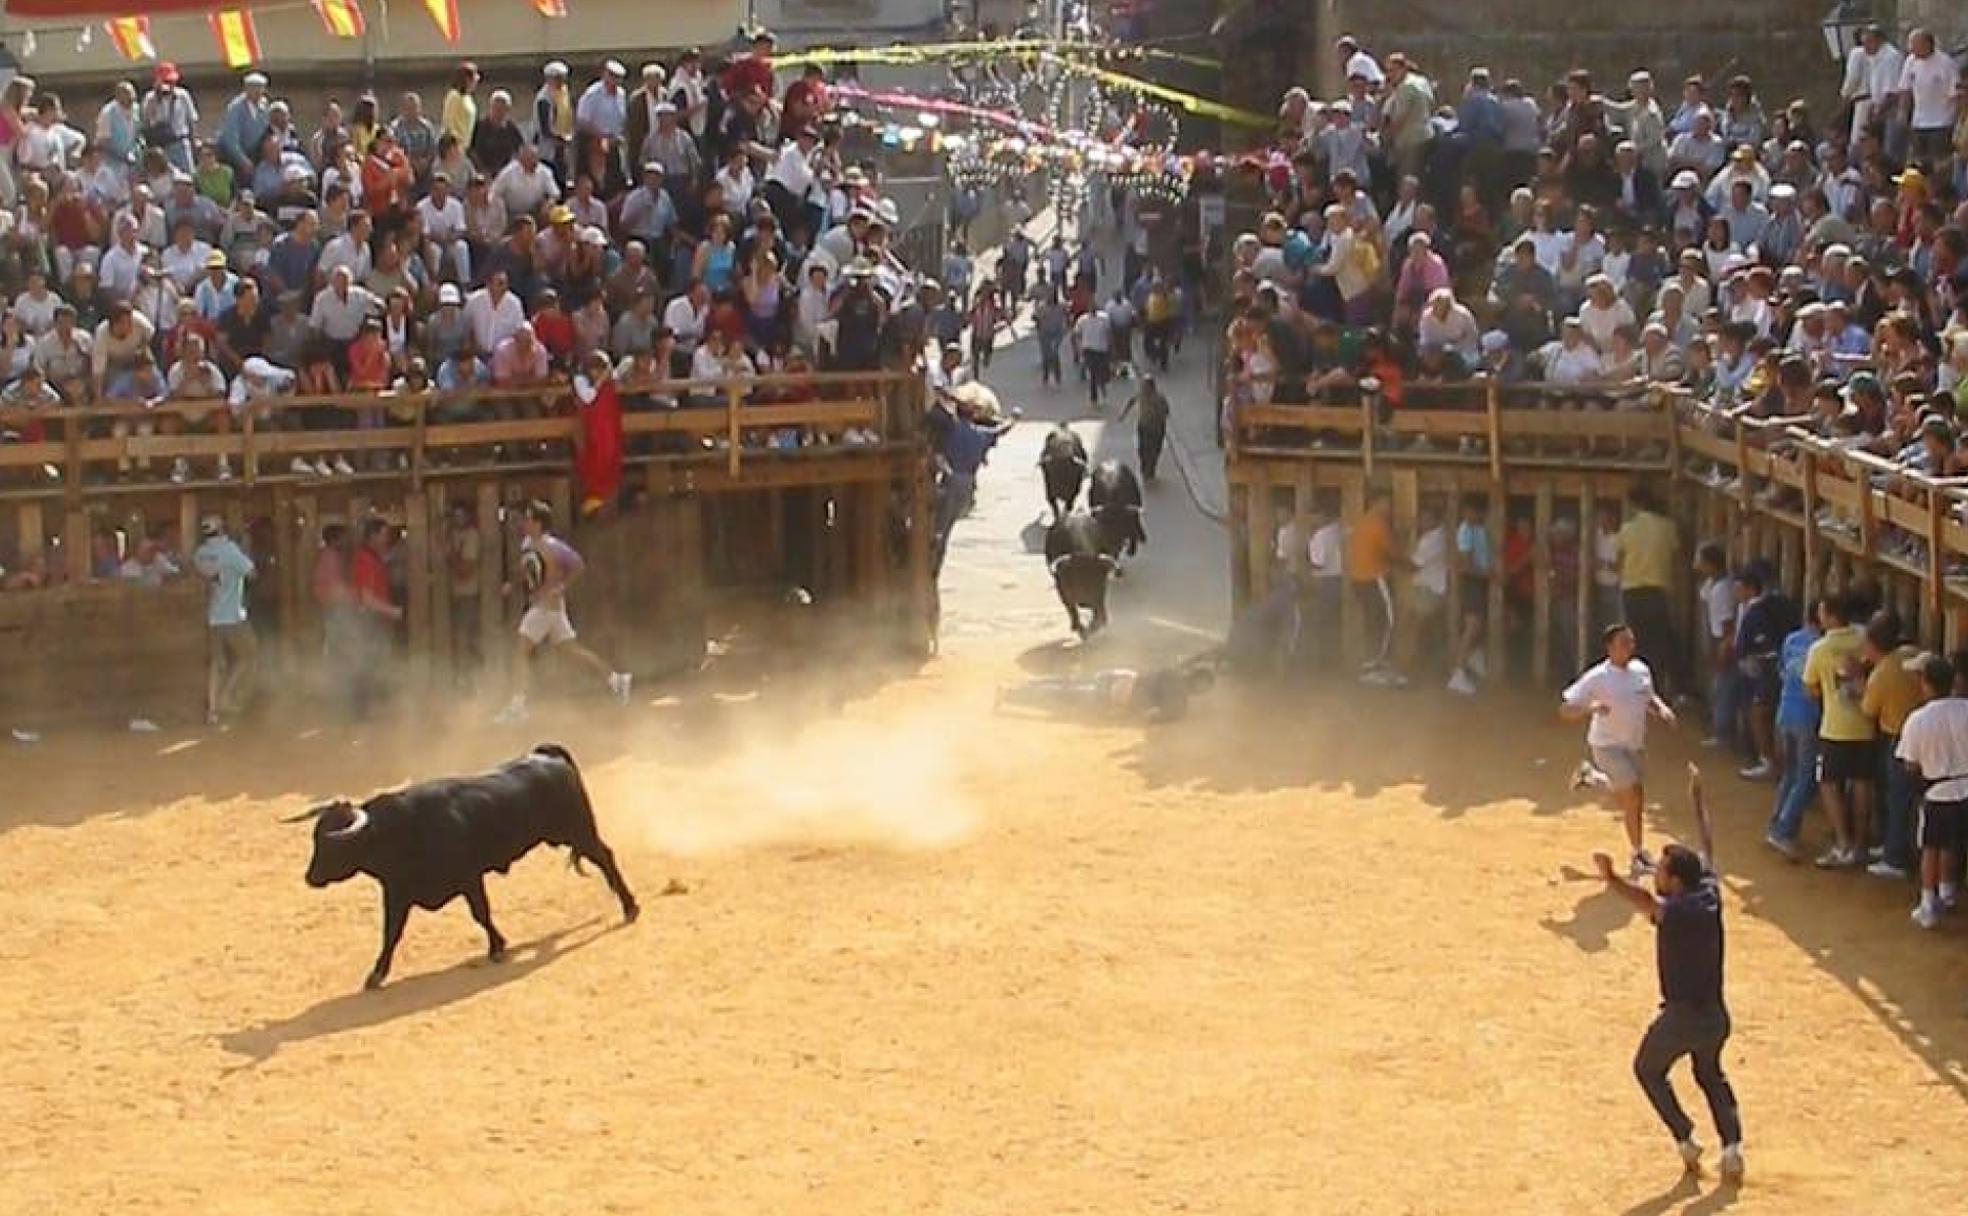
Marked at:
<point>549,566</point>
<point>1616,696</point>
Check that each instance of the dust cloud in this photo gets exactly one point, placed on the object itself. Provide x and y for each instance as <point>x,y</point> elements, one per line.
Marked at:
<point>895,781</point>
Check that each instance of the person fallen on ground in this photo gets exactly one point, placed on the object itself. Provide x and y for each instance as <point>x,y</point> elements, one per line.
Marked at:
<point>1121,693</point>
<point>1685,906</point>
<point>1617,696</point>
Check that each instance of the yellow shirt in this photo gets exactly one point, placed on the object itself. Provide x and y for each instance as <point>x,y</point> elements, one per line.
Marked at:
<point>1843,693</point>
<point>1892,692</point>
<point>460,116</point>
<point>1646,551</point>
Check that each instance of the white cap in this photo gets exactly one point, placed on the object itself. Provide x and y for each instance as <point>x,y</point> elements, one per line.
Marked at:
<point>555,70</point>
<point>448,294</point>
<point>256,78</point>
<point>614,68</point>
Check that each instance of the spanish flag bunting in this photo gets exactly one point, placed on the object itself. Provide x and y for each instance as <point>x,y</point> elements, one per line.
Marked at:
<point>239,42</point>
<point>132,37</point>
<point>341,18</point>
<point>445,14</point>
<point>550,8</point>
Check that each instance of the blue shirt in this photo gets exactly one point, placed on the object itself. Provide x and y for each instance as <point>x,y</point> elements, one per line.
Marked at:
<point>966,446</point>
<point>1796,708</point>
<point>226,566</point>
<point>1474,541</point>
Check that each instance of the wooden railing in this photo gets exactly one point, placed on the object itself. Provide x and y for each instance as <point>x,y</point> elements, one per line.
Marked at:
<point>261,444</point>
<point>1474,422</point>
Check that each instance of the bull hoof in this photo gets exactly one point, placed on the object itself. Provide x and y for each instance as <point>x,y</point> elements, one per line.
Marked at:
<point>497,953</point>
<point>630,912</point>
<point>374,981</point>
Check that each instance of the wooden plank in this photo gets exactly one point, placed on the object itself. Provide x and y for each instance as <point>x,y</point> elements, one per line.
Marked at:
<point>1494,421</point>
<point>491,578</point>
<point>304,529</point>
<point>417,535</point>
<point>77,544</point>
<point>1541,602</point>
<point>1494,642</point>
<point>921,626</point>
<point>1240,574</point>
<point>287,589</point>
<point>868,521</point>
<point>1812,547</point>
<point>1353,506</point>
<point>1588,583</point>
<point>187,522</point>
<point>30,535</point>
<point>1407,521</point>
<point>1259,536</point>
<point>1935,599</point>
<point>438,525</point>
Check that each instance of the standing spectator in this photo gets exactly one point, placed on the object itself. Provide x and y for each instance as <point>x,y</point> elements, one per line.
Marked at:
<point>463,550</point>
<point>1934,745</point>
<point>169,117</point>
<point>372,616</point>
<point>229,671</point>
<point>460,115</point>
<point>1763,620</point>
<point>1834,674</point>
<point>1892,692</point>
<point>1927,80</point>
<point>1647,546</point>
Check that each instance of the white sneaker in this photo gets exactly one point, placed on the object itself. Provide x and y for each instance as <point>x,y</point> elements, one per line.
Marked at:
<point>1586,776</point>
<point>180,471</point>
<point>301,468</point>
<point>1835,858</point>
<point>1732,1163</point>
<point>1926,915</point>
<point>1641,866</point>
<point>619,683</point>
<point>225,469</point>
<point>1949,898</point>
<point>1691,1153</point>
<point>343,467</point>
<point>1886,869</point>
<point>1762,770</point>
<point>515,711</point>
<point>1478,664</point>
<point>1461,683</point>
<point>1787,847</point>
<point>323,469</point>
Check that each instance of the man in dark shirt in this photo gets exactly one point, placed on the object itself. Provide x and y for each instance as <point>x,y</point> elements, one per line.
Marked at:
<point>1766,617</point>
<point>1686,908</point>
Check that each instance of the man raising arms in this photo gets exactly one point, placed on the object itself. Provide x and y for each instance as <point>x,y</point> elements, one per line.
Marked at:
<point>1686,908</point>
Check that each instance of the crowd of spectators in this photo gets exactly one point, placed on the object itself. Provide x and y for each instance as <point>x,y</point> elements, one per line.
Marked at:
<point>1772,261</point>
<point>705,218</point>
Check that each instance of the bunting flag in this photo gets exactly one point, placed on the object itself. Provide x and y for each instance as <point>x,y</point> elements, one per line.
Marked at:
<point>445,14</point>
<point>239,42</point>
<point>132,37</point>
<point>550,8</point>
<point>341,18</point>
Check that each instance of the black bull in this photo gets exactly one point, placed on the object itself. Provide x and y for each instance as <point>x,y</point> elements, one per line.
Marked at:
<point>1115,496</point>
<point>1079,569</point>
<point>434,841</point>
<point>1063,465</point>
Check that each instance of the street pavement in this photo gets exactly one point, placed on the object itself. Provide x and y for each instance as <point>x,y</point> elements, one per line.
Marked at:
<point>1175,596</point>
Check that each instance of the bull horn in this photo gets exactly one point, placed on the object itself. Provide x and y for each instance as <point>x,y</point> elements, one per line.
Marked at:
<point>1053,566</point>
<point>313,812</point>
<point>355,826</point>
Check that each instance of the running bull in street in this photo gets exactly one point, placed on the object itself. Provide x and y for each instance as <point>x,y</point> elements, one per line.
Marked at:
<point>1080,570</point>
<point>1115,497</point>
<point>1063,465</point>
<point>434,841</point>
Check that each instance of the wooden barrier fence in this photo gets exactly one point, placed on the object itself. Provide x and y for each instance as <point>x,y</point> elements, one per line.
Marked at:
<point>1823,515</point>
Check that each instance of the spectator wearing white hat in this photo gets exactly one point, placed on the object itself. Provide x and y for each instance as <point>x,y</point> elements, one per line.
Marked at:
<point>245,120</point>
<point>554,120</point>
<point>641,119</point>
<point>222,563</point>
<point>603,111</point>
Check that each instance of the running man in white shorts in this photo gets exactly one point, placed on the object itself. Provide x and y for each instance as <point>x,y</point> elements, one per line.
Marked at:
<point>1617,695</point>
<point>549,566</point>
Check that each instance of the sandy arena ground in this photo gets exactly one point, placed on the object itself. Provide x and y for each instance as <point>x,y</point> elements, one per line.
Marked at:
<point>1331,953</point>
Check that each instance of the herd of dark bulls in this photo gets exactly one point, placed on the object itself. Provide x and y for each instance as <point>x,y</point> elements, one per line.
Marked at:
<point>1084,546</point>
